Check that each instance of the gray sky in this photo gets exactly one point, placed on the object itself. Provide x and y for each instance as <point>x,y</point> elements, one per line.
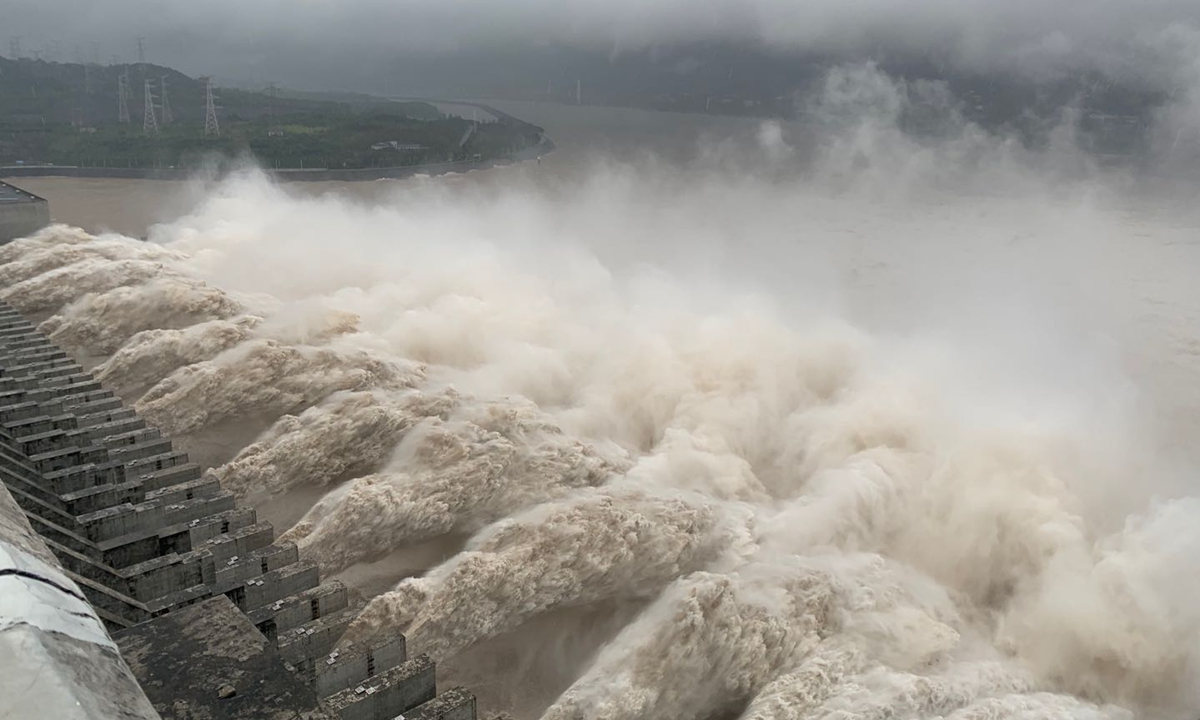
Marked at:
<point>246,37</point>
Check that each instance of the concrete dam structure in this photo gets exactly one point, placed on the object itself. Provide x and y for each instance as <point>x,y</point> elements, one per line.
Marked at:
<point>21,213</point>
<point>136,588</point>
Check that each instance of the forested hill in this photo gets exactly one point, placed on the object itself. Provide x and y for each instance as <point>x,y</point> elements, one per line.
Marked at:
<point>35,90</point>
<point>68,114</point>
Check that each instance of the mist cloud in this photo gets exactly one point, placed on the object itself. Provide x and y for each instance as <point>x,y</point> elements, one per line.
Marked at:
<point>851,418</point>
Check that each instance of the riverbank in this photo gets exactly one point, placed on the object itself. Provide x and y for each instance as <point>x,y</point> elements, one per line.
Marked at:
<point>544,146</point>
<point>281,175</point>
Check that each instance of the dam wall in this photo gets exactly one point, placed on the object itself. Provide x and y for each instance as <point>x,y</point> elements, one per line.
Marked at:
<point>56,658</point>
<point>147,579</point>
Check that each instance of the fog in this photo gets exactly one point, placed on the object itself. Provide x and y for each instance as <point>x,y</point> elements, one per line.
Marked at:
<point>358,43</point>
<point>820,422</point>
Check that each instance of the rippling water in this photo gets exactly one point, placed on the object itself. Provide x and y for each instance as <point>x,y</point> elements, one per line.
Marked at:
<point>699,437</point>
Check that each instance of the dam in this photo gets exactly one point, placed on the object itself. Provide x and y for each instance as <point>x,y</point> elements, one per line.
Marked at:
<point>135,587</point>
<point>21,213</point>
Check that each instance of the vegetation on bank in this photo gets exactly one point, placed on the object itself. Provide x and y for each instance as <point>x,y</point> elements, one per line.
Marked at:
<point>67,114</point>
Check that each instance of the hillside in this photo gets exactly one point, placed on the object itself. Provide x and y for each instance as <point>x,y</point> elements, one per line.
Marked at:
<point>68,114</point>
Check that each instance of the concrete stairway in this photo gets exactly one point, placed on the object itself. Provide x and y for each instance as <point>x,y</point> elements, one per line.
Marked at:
<point>143,533</point>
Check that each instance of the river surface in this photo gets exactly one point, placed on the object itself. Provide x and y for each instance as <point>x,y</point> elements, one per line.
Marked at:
<point>580,133</point>
<point>1138,264</point>
<point>723,349</point>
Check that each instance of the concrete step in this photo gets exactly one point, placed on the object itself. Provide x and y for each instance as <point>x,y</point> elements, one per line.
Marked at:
<point>122,608</point>
<point>457,703</point>
<point>13,327</point>
<point>357,663</point>
<point>106,403</point>
<point>302,646</point>
<point>36,502</point>
<point>18,342</point>
<point>239,541</point>
<point>285,615</point>
<point>32,354</point>
<point>126,550</point>
<point>136,467</point>
<point>80,477</point>
<point>100,497</point>
<point>145,447</point>
<point>276,585</point>
<point>151,515</point>
<point>12,398</point>
<point>74,384</point>
<point>68,457</point>
<point>200,487</point>
<point>26,427</point>
<point>100,417</point>
<point>56,367</point>
<point>17,409</point>
<point>166,477</point>
<point>243,570</point>
<point>165,575</point>
<point>390,694</point>
<point>110,432</point>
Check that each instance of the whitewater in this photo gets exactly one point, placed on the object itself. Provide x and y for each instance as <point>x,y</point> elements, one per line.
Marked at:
<point>701,445</point>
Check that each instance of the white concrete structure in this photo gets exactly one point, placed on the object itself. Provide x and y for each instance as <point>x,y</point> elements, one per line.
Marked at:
<point>56,659</point>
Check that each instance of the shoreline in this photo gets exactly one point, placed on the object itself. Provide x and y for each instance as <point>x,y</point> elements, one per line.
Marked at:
<point>301,174</point>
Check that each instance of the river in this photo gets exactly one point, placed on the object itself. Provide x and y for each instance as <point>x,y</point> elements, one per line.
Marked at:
<point>661,367</point>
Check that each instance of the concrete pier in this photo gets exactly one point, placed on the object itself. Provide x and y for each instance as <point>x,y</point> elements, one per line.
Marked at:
<point>215,618</point>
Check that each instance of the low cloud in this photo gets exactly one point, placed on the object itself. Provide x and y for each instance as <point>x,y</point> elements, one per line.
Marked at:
<point>326,38</point>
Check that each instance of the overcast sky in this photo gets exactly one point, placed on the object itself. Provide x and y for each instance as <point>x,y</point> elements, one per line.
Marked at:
<point>249,37</point>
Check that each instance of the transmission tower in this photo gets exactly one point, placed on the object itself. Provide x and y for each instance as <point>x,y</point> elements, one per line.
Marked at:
<point>165,102</point>
<point>272,93</point>
<point>14,48</point>
<point>125,88</point>
<point>141,67</point>
<point>149,120</point>
<point>211,126</point>
<point>122,99</point>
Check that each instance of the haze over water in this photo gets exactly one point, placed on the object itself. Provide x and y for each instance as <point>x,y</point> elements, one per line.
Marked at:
<point>699,418</point>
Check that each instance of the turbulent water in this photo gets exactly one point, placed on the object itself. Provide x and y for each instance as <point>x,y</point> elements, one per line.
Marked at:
<point>695,446</point>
